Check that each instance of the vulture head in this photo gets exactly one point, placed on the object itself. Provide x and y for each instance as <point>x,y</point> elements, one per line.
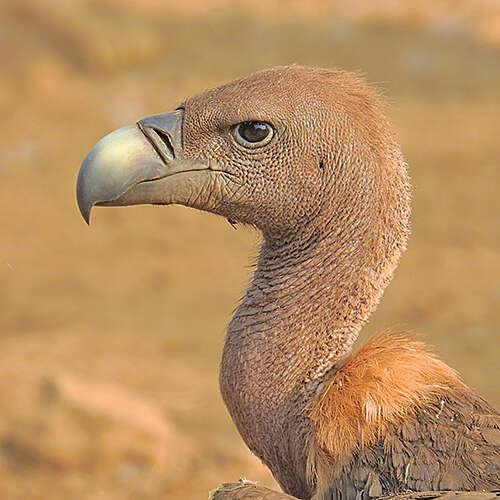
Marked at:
<point>286,150</point>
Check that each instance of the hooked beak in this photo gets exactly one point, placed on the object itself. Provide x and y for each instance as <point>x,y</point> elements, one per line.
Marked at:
<point>139,164</point>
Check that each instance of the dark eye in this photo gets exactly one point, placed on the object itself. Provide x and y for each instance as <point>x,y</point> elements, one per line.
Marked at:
<point>253,134</point>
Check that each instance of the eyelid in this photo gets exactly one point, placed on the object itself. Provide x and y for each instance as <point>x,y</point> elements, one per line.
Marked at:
<point>238,139</point>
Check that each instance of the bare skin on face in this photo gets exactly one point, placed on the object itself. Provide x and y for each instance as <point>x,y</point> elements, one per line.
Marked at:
<point>306,156</point>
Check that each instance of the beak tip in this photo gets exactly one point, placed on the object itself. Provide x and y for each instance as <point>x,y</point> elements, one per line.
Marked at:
<point>85,212</point>
<point>83,202</point>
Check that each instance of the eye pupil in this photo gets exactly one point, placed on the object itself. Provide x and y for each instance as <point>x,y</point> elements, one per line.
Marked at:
<point>254,131</point>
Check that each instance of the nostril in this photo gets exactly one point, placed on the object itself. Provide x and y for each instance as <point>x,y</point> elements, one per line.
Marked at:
<point>164,133</point>
<point>160,141</point>
<point>166,140</point>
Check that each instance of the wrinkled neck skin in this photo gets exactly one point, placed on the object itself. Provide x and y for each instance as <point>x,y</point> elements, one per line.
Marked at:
<point>307,302</point>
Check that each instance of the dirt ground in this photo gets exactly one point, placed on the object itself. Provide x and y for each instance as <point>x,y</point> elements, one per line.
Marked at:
<point>110,336</point>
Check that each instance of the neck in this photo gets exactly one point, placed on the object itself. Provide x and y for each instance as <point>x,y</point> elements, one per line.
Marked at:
<point>309,297</point>
<point>299,319</point>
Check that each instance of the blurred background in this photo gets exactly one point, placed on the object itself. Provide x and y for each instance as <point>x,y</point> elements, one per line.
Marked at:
<point>110,336</point>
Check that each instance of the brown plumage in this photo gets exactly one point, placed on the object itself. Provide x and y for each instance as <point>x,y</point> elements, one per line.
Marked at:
<point>324,180</point>
<point>395,418</point>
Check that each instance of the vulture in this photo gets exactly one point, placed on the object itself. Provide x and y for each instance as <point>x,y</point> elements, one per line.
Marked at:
<point>306,156</point>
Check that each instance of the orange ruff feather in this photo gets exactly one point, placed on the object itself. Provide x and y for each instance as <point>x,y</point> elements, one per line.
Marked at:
<point>381,384</point>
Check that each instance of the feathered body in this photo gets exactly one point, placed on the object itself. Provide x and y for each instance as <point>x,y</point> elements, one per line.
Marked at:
<point>396,419</point>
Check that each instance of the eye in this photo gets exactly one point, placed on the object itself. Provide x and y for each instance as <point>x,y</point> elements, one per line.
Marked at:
<point>253,134</point>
